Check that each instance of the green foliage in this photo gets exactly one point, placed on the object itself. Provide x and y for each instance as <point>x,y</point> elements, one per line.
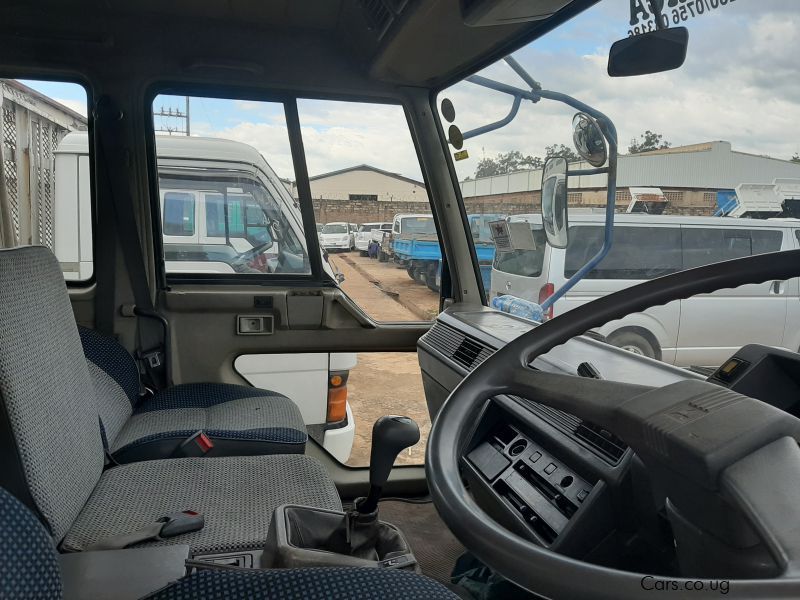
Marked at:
<point>647,142</point>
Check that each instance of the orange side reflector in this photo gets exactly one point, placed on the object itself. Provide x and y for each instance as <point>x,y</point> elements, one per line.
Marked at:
<point>337,404</point>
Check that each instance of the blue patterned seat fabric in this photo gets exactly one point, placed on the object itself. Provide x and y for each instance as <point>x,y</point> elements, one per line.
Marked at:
<point>29,569</point>
<point>240,420</point>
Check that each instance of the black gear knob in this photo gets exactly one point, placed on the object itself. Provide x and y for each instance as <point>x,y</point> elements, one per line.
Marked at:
<point>390,436</point>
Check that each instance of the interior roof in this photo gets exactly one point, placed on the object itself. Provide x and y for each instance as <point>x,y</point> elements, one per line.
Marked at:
<point>328,46</point>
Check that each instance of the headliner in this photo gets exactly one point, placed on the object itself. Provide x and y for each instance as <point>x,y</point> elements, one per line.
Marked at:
<point>324,46</point>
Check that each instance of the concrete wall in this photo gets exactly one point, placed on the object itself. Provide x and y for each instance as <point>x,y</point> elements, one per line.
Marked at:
<point>365,181</point>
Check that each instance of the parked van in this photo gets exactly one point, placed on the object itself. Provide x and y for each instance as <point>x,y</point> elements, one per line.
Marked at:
<point>337,236</point>
<point>210,223</point>
<point>363,236</point>
<point>701,331</point>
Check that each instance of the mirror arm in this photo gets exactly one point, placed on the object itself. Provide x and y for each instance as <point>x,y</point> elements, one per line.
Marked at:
<point>497,124</point>
<point>656,8</point>
<point>524,75</point>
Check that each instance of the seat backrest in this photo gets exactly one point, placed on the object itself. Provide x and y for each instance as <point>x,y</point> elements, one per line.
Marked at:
<point>115,377</point>
<point>28,559</point>
<point>50,446</point>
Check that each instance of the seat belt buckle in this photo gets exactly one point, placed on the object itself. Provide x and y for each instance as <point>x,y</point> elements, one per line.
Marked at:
<point>177,523</point>
<point>197,444</point>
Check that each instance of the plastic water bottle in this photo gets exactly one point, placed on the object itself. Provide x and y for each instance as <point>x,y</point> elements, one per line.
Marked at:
<point>519,307</point>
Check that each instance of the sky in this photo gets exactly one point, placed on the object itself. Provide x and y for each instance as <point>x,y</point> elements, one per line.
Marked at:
<point>740,83</point>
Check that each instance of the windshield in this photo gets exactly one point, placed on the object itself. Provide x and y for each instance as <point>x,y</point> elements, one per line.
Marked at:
<point>708,170</point>
<point>417,225</point>
<point>334,228</point>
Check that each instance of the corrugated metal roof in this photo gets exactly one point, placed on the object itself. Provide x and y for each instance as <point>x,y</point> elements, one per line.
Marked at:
<point>711,165</point>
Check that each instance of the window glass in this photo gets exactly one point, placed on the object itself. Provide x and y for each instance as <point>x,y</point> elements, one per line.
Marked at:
<point>334,228</point>
<point>706,246</point>
<point>226,177</point>
<point>45,180</point>
<point>527,263</point>
<point>701,167</point>
<point>179,210</point>
<point>637,252</point>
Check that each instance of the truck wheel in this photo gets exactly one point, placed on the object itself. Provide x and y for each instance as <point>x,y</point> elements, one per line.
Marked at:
<point>632,342</point>
<point>419,275</point>
<point>412,272</point>
<point>430,278</point>
<point>383,257</point>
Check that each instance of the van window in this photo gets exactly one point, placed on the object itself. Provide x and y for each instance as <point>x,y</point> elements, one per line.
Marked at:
<point>227,206</point>
<point>45,180</point>
<point>637,252</point>
<point>334,228</point>
<point>178,213</point>
<point>527,263</point>
<point>703,246</point>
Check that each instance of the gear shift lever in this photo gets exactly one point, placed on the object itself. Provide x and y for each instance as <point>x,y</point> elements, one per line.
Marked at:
<point>390,436</point>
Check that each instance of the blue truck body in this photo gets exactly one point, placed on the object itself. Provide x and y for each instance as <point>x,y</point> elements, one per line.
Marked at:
<point>422,255</point>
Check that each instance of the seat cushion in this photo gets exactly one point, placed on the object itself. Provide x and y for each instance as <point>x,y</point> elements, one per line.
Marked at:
<point>237,495</point>
<point>342,583</point>
<point>240,420</point>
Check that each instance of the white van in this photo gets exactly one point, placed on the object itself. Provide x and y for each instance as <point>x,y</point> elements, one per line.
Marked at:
<point>701,331</point>
<point>364,235</point>
<point>209,222</point>
<point>337,236</point>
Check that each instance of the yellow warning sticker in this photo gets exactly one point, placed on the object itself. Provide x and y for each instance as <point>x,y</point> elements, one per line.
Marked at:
<point>461,155</point>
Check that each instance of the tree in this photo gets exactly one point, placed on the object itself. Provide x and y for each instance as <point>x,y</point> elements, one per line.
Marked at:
<point>561,150</point>
<point>795,158</point>
<point>506,162</point>
<point>649,141</point>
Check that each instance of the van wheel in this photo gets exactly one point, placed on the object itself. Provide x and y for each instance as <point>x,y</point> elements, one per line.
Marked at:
<point>632,342</point>
<point>363,253</point>
<point>383,257</point>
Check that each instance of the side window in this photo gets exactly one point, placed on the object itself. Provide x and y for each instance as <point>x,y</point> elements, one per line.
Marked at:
<point>363,169</point>
<point>526,263</point>
<point>45,180</point>
<point>628,258</point>
<point>227,206</point>
<point>179,213</point>
<point>703,246</point>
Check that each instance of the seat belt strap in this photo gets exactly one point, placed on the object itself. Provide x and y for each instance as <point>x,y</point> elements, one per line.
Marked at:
<point>169,526</point>
<point>150,337</point>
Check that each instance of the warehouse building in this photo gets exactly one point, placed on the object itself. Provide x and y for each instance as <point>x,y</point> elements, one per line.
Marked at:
<point>695,180</point>
<point>365,183</point>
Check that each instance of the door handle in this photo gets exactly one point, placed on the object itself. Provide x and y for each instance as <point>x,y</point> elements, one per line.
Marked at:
<point>777,287</point>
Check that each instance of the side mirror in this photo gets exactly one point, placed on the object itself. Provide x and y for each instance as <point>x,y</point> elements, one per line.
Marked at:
<point>653,52</point>
<point>589,140</point>
<point>554,201</point>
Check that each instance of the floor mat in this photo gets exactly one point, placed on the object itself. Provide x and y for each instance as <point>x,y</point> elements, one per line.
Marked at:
<point>435,548</point>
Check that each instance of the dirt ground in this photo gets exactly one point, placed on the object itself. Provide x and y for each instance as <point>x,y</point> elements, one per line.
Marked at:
<point>385,383</point>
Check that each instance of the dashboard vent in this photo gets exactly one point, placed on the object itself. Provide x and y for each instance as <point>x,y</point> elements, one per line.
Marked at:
<point>466,351</point>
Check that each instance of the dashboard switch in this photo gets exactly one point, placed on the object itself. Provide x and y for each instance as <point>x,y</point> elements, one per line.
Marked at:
<point>582,495</point>
<point>550,468</point>
<point>535,456</point>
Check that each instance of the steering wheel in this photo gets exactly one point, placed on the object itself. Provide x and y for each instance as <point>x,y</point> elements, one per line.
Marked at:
<point>729,464</point>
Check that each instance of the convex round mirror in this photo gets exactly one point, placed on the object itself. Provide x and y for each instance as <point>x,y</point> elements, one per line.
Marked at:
<point>589,140</point>
<point>554,201</point>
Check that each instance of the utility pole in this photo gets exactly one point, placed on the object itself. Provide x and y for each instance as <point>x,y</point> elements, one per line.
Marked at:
<point>173,120</point>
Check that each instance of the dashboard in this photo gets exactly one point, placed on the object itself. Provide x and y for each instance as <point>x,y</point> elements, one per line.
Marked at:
<point>563,483</point>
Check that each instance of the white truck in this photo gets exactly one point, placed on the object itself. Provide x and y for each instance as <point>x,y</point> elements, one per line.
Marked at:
<point>210,229</point>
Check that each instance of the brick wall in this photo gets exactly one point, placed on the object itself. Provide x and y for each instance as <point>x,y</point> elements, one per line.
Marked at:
<point>682,202</point>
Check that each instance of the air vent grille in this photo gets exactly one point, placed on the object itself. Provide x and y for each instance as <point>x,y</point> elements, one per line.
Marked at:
<point>469,353</point>
<point>381,14</point>
<point>466,351</point>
